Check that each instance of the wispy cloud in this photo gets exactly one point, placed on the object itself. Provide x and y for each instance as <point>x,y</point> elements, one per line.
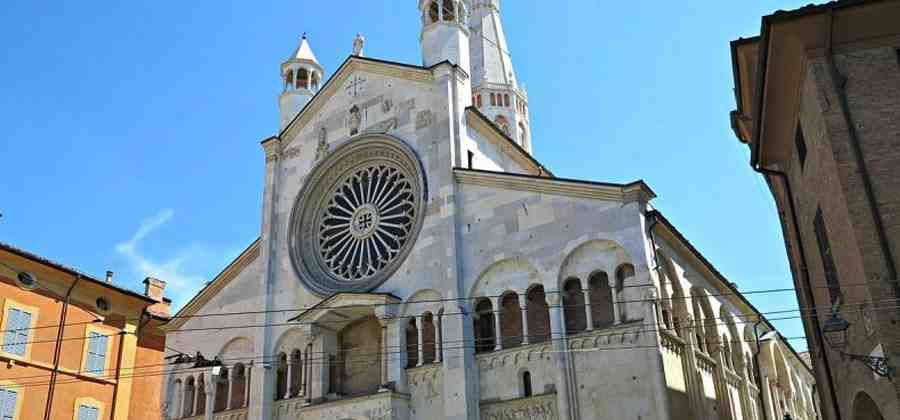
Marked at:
<point>178,270</point>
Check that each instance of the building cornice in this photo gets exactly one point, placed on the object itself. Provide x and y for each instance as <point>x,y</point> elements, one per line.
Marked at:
<point>214,287</point>
<point>635,191</point>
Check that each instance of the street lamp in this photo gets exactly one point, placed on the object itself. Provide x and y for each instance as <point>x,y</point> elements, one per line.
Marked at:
<point>836,331</point>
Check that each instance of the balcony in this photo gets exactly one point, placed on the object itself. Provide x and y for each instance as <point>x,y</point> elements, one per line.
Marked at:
<point>380,405</point>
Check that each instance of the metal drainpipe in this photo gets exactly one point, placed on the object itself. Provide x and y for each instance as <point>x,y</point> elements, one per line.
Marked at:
<point>762,404</point>
<point>57,348</point>
<point>814,312</point>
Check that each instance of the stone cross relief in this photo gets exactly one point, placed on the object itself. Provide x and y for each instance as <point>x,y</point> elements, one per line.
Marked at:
<point>356,86</point>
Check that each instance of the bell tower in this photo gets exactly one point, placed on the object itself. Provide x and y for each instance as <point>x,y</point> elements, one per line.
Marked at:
<point>301,75</point>
<point>495,91</point>
<point>445,32</point>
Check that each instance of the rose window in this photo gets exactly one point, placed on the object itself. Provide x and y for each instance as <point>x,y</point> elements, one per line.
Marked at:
<point>357,216</point>
<point>366,222</point>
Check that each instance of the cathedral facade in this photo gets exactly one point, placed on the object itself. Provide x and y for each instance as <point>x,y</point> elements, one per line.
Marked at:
<point>416,261</point>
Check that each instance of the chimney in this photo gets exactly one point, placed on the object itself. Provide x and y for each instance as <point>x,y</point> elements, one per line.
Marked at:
<point>153,288</point>
<point>109,276</point>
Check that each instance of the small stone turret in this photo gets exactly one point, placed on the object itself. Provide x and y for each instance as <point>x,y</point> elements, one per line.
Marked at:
<point>302,76</point>
<point>445,32</point>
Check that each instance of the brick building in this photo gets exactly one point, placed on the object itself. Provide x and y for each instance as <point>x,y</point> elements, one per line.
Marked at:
<point>108,352</point>
<point>818,104</point>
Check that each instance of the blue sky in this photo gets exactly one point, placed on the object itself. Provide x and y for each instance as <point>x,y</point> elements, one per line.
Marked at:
<point>132,129</point>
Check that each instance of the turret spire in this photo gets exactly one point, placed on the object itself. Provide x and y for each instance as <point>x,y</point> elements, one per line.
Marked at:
<point>301,75</point>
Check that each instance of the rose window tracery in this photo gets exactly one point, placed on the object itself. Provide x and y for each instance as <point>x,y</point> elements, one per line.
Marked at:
<point>357,215</point>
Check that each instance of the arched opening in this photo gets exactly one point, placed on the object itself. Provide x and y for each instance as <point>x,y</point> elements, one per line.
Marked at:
<point>449,10</point>
<point>503,123</point>
<point>412,343</point>
<point>697,328</point>
<point>177,398</point>
<point>527,389</point>
<point>296,371</point>
<point>726,353</point>
<point>303,79</point>
<point>187,408</point>
<point>428,338</point>
<point>506,100</point>
<point>359,358</point>
<point>478,100</point>
<point>623,273</point>
<point>493,99</point>
<point>538,313</point>
<point>573,306</point>
<point>601,300</point>
<point>510,320</point>
<point>434,12</point>
<point>201,396</point>
<point>289,79</point>
<point>523,135</point>
<point>484,326</point>
<point>314,80</point>
<point>221,403</point>
<point>281,377</point>
<point>238,386</point>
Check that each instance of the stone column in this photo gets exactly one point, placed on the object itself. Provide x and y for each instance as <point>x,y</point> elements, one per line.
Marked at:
<point>211,396</point>
<point>247,370</point>
<point>615,304</point>
<point>560,356</point>
<point>384,353</point>
<point>587,310</point>
<point>306,372</point>
<point>420,326</point>
<point>288,380</point>
<point>498,332</point>
<point>436,319</point>
<point>198,393</point>
<point>228,397</point>
<point>524,306</point>
<point>768,404</point>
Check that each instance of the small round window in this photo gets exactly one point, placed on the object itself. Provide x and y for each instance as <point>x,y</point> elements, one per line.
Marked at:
<point>102,304</point>
<point>26,280</point>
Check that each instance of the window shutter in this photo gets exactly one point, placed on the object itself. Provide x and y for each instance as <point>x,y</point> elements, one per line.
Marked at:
<point>8,403</point>
<point>88,413</point>
<point>101,352</point>
<point>15,338</point>
<point>96,353</point>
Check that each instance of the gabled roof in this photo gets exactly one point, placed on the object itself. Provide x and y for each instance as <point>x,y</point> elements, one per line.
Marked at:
<point>352,64</point>
<point>636,190</point>
<point>218,283</point>
<point>482,124</point>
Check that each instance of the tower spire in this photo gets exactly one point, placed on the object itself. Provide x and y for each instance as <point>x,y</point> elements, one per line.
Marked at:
<point>495,90</point>
<point>301,75</point>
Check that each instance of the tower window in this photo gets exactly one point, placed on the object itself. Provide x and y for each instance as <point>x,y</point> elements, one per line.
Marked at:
<point>527,389</point>
<point>434,12</point>
<point>449,10</point>
<point>506,100</point>
<point>800,144</point>
<point>471,158</point>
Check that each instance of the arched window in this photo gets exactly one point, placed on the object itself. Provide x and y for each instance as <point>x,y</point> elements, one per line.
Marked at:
<point>726,353</point>
<point>573,306</point>
<point>506,100</point>
<point>538,315</point>
<point>428,338</point>
<point>412,343</point>
<point>523,135</point>
<point>238,386</point>
<point>281,377</point>
<point>449,10</point>
<point>296,371</point>
<point>493,99</point>
<point>478,100</point>
<point>201,396</point>
<point>221,403</point>
<point>434,12</point>
<point>315,80</point>
<point>601,300</point>
<point>503,123</point>
<point>484,326</point>
<point>289,79</point>
<point>527,390</point>
<point>187,408</point>
<point>622,274</point>
<point>510,320</point>
<point>303,79</point>
<point>177,398</point>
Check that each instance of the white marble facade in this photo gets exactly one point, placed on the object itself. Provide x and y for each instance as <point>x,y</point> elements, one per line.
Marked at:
<point>516,295</point>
